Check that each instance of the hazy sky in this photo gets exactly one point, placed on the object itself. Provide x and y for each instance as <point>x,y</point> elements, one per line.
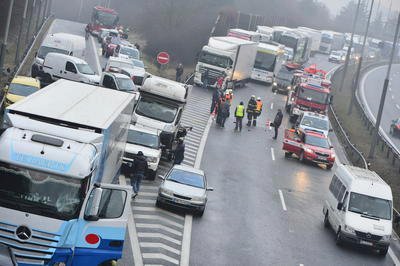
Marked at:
<point>336,5</point>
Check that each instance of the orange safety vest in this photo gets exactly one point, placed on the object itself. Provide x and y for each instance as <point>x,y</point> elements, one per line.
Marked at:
<point>259,106</point>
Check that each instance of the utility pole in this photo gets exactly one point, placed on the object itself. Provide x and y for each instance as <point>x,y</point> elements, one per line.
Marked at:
<point>30,20</point>
<point>238,18</point>
<point>21,27</point>
<point>80,10</point>
<point>5,38</point>
<point>346,62</point>
<point>38,16</point>
<point>356,80</point>
<point>251,17</point>
<point>384,91</point>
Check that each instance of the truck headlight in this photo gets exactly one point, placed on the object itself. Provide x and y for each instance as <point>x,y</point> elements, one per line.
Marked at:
<point>199,199</point>
<point>168,128</point>
<point>166,191</point>
<point>151,159</point>
<point>275,84</point>
<point>289,87</point>
<point>386,237</point>
<point>308,150</point>
<point>349,229</point>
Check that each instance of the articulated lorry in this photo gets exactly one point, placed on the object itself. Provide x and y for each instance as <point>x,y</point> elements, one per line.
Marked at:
<point>61,151</point>
<point>228,57</point>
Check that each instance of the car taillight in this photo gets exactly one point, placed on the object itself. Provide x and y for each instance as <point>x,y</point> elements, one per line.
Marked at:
<point>92,239</point>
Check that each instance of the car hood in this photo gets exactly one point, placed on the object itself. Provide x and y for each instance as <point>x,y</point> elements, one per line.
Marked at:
<point>184,190</point>
<point>319,149</point>
<point>148,152</point>
<point>367,225</point>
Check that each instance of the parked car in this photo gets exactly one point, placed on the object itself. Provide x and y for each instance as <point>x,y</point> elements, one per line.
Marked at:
<point>19,88</point>
<point>60,66</point>
<point>337,57</point>
<point>106,33</point>
<point>184,187</point>
<point>127,52</point>
<point>117,81</point>
<point>395,127</point>
<point>313,121</point>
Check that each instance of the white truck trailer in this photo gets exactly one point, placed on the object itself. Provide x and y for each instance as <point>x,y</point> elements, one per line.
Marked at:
<point>61,151</point>
<point>227,57</point>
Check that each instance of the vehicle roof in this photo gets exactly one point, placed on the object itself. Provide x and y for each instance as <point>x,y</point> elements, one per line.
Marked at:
<point>313,87</point>
<point>247,32</point>
<point>119,59</point>
<point>74,59</point>
<point>105,9</point>
<point>143,129</point>
<point>227,42</point>
<point>26,81</point>
<point>117,75</point>
<point>188,169</point>
<point>270,47</point>
<point>75,102</point>
<point>165,87</point>
<point>316,115</point>
<point>364,181</point>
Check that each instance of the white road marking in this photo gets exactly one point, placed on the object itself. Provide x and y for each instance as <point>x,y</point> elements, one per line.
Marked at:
<point>393,257</point>
<point>273,154</point>
<point>160,256</point>
<point>392,97</point>
<point>159,226</point>
<point>154,209</point>
<point>159,245</point>
<point>272,106</point>
<point>390,88</point>
<point>301,264</point>
<point>159,235</point>
<point>157,218</point>
<point>133,237</point>
<point>187,235</point>
<point>397,106</point>
<point>282,200</point>
<point>95,56</point>
<point>203,143</point>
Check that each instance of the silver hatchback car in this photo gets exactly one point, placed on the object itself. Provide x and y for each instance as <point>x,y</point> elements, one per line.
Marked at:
<point>184,187</point>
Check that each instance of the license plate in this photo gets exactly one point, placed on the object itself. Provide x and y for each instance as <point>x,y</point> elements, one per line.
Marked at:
<point>321,158</point>
<point>362,242</point>
<point>179,200</point>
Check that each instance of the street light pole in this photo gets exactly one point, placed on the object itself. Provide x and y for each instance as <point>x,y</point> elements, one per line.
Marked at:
<point>38,16</point>
<point>5,38</point>
<point>346,62</point>
<point>384,91</point>
<point>30,20</point>
<point>356,80</point>
<point>20,32</point>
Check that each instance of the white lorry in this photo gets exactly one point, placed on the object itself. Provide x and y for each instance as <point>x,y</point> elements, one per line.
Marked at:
<point>268,62</point>
<point>266,33</point>
<point>227,57</point>
<point>315,36</point>
<point>60,158</point>
<point>245,34</point>
<point>160,107</point>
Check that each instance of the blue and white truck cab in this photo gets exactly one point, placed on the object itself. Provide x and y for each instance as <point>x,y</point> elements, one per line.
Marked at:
<point>60,156</point>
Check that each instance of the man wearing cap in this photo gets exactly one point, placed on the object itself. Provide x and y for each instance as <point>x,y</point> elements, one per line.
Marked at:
<point>251,110</point>
<point>138,170</point>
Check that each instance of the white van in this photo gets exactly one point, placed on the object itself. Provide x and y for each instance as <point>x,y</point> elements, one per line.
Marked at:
<point>359,208</point>
<point>62,43</point>
<point>59,66</point>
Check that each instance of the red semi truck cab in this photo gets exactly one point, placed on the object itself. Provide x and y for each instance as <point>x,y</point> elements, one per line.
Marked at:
<point>313,95</point>
<point>102,18</point>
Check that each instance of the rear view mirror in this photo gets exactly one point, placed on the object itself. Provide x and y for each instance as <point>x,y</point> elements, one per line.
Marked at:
<point>92,207</point>
<point>210,189</point>
<point>340,206</point>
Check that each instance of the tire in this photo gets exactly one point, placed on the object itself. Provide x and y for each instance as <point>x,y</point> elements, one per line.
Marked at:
<point>288,154</point>
<point>201,212</point>
<point>301,157</point>
<point>287,108</point>
<point>326,220</point>
<point>158,204</point>
<point>34,72</point>
<point>338,238</point>
<point>47,78</point>
<point>329,166</point>
<point>383,251</point>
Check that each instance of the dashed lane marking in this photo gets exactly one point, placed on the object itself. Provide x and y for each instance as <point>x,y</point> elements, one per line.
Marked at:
<point>282,200</point>
<point>394,257</point>
<point>272,106</point>
<point>273,154</point>
<point>160,256</point>
<point>398,106</point>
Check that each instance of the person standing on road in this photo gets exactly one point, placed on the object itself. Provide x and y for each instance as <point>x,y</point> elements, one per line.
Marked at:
<point>179,153</point>
<point>220,82</point>
<point>179,72</point>
<point>257,112</point>
<point>251,108</point>
<point>239,114</point>
<point>215,99</point>
<point>277,122</point>
<point>138,170</point>
<point>205,78</point>
<point>223,112</point>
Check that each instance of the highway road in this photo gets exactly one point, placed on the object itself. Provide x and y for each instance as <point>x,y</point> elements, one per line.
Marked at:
<point>265,210</point>
<point>370,92</point>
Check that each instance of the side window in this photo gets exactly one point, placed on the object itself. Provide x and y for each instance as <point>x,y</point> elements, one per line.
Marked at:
<point>112,203</point>
<point>341,193</point>
<point>178,117</point>
<point>108,82</point>
<point>333,183</point>
<point>70,67</point>
<point>337,187</point>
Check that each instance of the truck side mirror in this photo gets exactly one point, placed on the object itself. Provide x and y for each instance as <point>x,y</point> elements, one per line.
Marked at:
<point>340,206</point>
<point>93,204</point>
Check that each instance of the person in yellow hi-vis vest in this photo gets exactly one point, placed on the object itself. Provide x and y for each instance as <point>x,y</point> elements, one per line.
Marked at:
<point>239,114</point>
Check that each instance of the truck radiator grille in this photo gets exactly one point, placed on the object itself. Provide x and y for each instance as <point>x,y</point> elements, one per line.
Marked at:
<point>213,75</point>
<point>38,249</point>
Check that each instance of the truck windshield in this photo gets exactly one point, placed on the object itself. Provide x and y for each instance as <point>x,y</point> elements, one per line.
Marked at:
<point>326,39</point>
<point>316,141</point>
<point>85,69</point>
<point>313,95</point>
<point>265,61</point>
<point>105,18</point>
<point>154,109</point>
<point>284,74</point>
<point>44,50</point>
<point>370,206</point>
<point>315,122</point>
<point>143,139</point>
<point>41,193</point>
<point>288,41</point>
<point>215,60</point>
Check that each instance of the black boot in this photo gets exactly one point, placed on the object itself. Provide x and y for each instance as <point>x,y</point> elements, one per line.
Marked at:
<point>254,123</point>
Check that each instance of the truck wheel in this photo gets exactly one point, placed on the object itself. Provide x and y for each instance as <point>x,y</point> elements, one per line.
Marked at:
<point>301,157</point>
<point>383,251</point>
<point>338,238</point>
<point>326,220</point>
<point>288,154</point>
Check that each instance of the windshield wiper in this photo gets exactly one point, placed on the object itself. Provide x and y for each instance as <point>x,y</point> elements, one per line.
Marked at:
<point>176,181</point>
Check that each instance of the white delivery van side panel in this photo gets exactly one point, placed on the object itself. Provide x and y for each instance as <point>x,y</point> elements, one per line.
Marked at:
<point>245,61</point>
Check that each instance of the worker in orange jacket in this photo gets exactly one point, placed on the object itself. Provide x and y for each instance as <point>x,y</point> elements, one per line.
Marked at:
<point>257,111</point>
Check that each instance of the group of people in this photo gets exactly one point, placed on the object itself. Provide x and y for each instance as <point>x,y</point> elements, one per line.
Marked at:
<point>221,103</point>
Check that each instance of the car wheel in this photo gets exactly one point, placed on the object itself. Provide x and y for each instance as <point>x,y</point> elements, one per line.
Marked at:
<point>329,166</point>
<point>288,154</point>
<point>391,130</point>
<point>34,72</point>
<point>301,157</point>
<point>158,204</point>
<point>383,251</point>
<point>47,78</point>
<point>338,238</point>
<point>326,220</point>
<point>201,212</point>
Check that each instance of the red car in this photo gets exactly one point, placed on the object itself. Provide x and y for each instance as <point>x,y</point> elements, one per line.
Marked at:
<point>309,146</point>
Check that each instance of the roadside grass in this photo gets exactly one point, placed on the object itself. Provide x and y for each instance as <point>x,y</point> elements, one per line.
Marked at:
<point>362,137</point>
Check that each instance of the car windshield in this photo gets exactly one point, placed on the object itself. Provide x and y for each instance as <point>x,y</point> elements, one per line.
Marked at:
<point>143,139</point>
<point>186,178</point>
<point>315,122</point>
<point>154,109</point>
<point>265,61</point>
<point>138,63</point>
<point>317,141</point>
<point>285,74</point>
<point>41,193</point>
<point>313,95</point>
<point>85,69</point>
<point>125,84</point>
<point>215,60</point>
<point>131,52</point>
<point>106,19</point>
<point>370,206</point>
<point>44,50</point>
<point>21,90</point>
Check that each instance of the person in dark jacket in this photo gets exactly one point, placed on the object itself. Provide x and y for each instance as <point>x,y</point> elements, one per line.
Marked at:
<point>179,152</point>
<point>251,110</point>
<point>215,99</point>
<point>277,122</point>
<point>204,78</point>
<point>179,72</point>
<point>223,112</point>
<point>138,170</point>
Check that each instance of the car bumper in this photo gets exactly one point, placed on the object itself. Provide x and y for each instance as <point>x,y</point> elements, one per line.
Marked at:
<point>182,204</point>
<point>353,239</point>
<point>320,160</point>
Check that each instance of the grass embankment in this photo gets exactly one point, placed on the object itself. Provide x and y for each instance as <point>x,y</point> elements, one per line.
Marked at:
<point>362,137</point>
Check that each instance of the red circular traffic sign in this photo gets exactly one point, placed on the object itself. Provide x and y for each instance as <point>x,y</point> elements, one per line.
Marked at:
<point>163,58</point>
